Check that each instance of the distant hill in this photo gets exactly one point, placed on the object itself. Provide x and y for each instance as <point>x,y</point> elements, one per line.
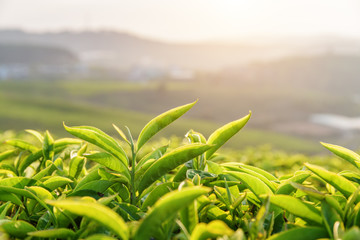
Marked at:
<point>122,50</point>
<point>35,55</point>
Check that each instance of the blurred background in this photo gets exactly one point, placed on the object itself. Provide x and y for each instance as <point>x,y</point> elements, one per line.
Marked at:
<point>294,64</point>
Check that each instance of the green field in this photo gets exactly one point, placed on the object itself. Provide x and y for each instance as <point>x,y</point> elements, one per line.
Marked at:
<point>45,105</point>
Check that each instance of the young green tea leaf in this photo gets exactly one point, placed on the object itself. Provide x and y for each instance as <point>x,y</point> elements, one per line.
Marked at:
<point>344,153</point>
<point>165,208</point>
<point>212,230</point>
<point>297,207</point>
<point>55,182</point>
<point>109,161</point>
<point>169,162</point>
<point>99,138</point>
<point>48,146</point>
<point>18,229</point>
<point>100,237</point>
<point>157,193</point>
<point>330,216</point>
<point>255,185</point>
<point>22,145</point>
<point>286,188</point>
<point>62,233</point>
<point>29,160</point>
<point>7,154</point>
<point>36,134</point>
<point>6,196</point>
<point>97,212</point>
<point>340,183</point>
<point>223,134</point>
<point>156,154</point>
<point>122,134</point>
<point>160,122</point>
<point>270,184</point>
<point>301,233</point>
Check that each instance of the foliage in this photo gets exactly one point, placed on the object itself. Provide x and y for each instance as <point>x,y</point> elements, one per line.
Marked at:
<point>97,187</point>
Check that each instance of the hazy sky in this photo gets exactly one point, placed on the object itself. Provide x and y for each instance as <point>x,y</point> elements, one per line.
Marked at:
<point>187,20</point>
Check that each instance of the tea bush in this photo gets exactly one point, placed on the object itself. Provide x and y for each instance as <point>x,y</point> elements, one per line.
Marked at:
<point>96,187</point>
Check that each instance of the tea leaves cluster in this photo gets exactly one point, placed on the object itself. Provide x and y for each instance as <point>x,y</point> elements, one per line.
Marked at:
<point>94,186</point>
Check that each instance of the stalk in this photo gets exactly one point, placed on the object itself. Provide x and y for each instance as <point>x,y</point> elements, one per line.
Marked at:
<point>133,162</point>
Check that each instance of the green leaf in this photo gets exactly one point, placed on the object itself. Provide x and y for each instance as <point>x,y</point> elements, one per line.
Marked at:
<point>309,191</point>
<point>211,230</point>
<point>351,175</point>
<point>344,153</point>
<point>128,211</point>
<point>157,193</point>
<point>270,184</point>
<point>223,134</point>
<point>122,134</point>
<point>93,174</point>
<point>97,186</point>
<point>36,134</point>
<point>97,212</point>
<point>156,154</point>
<point>17,182</point>
<point>29,160</point>
<point>170,161</point>
<point>56,182</point>
<point>18,229</point>
<point>40,192</point>
<point>48,146</point>
<point>100,139</point>
<point>77,162</point>
<point>190,173</point>
<point>76,166</point>
<point>195,137</point>
<point>301,233</point>
<point>64,142</point>
<point>62,233</point>
<point>109,161</point>
<point>295,206</point>
<point>4,208</point>
<point>255,185</point>
<point>286,188</point>
<point>46,171</point>
<point>160,122</point>
<point>6,196</point>
<point>7,154</point>
<point>266,174</point>
<point>340,183</point>
<point>100,237</point>
<point>352,234</point>
<point>22,145</point>
<point>166,208</point>
<point>330,216</point>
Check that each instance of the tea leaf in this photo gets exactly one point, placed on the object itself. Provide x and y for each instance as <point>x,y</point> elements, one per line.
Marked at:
<point>53,233</point>
<point>170,161</point>
<point>297,207</point>
<point>165,208</point>
<point>99,138</point>
<point>108,161</point>
<point>18,229</point>
<point>97,212</point>
<point>255,185</point>
<point>211,230</point>
<point>301,233</point>
<point>340,183</point>
<point>344,153</point>
<point>223,134</point>
<point>160,122</point>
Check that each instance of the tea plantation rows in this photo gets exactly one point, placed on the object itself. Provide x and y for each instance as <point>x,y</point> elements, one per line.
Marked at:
<point>94,186</point>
